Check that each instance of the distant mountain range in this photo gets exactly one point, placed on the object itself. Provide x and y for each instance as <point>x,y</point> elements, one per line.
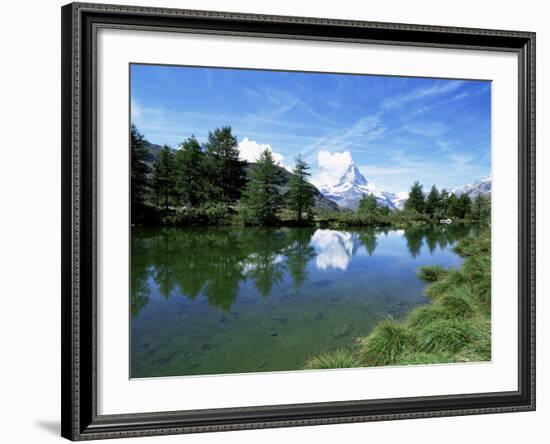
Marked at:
<point>353,185</point>
<point>482,187</point>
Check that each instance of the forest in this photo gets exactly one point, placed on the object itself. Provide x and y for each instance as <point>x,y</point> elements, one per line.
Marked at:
<point>208,184</point>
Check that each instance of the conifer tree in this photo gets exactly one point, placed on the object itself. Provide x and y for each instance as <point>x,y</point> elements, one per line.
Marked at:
<point>433,202</point>
<point>190,165</point>
<point>444,202</point>
<point>368,205</point>
<point>262,198</point>
<point>163,177</point>
<point>481,208</point>
<point>415,201</point>
<point>225,170</point>
<point>300,194</point>
<point>138,173</point>
<point>459,206</point>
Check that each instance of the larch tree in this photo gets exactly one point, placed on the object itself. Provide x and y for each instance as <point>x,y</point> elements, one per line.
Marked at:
<point>138,173</point>
<point>415,201</point>
<point>191,173</point>
<point>225,169</point>
<point>433,202</point>
<point>299,198</point>
<point>164,177</point>
<point>262,198</point>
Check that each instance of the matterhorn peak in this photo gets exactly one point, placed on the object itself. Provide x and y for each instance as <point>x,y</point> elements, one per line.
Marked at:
<point>352,175</point>
<point>352,186</point>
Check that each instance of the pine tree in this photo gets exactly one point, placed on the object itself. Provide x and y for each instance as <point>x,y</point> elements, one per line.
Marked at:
<point>163,177</point>
<point>481,208</point>
<point>415,201</point>
<point>444,202</point>
<point>465,205</point>
<point>138,173</point>
<point>190,165</point>
<point>368,205</point>
<point>459,206</point>
<point>261,196</point>
<point>226,171</point>
<point>433,202</point>
<point>300,194</point>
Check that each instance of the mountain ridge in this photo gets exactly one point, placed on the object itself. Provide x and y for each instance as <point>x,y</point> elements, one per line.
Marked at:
<point>352,186</point>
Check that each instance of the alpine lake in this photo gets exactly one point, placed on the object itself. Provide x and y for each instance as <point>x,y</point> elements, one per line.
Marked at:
<point>207,301</point>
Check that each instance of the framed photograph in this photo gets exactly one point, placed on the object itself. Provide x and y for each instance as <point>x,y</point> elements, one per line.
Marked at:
<point>280,221</point>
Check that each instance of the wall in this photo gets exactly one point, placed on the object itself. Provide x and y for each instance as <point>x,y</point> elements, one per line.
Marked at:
<point>29,243</point>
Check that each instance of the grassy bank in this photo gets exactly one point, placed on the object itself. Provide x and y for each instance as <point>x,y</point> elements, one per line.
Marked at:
<point>454,327</point>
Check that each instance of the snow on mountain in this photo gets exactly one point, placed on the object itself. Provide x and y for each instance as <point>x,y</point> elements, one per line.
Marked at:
<point>352,186</point>
<point>334,248</point>
<point>482,187</point>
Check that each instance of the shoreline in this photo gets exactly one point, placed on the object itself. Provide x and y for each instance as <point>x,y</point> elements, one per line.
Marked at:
<point>455,327</point>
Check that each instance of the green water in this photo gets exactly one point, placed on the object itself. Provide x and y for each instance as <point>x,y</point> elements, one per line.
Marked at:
<point>234,300</point>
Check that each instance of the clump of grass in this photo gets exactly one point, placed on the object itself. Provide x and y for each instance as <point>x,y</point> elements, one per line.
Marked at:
<point>341,358</point>
<point>431,273</point>
<point>419,358</point>
<point>425,315</point>
<point>478,269</point>
<point>456,305</point>
<point>449,281</point>
<point>479,348</point>
<point>387,342</point>
<point>446,336</point>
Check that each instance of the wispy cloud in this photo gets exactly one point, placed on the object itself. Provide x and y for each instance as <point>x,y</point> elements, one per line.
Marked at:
<point>365,129</point>
<point>420,93</point>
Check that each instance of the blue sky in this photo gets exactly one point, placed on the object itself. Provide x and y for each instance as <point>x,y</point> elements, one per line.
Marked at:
<point>396,129</point>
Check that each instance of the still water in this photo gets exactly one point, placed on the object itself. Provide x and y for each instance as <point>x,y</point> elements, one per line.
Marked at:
<point>234,300</point>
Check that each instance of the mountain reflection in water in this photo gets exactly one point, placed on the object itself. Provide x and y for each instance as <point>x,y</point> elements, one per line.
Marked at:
<point>232,300</point>
<point>213,262</point>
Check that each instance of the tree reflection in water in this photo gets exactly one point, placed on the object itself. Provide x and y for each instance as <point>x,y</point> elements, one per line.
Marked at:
<point>213,262</point>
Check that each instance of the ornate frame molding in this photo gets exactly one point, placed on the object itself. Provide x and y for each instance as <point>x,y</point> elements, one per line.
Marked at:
<point>80,22</point>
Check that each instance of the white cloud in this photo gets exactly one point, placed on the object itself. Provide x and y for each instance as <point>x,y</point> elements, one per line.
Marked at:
<point>332,166</point>
<point>250,150</point>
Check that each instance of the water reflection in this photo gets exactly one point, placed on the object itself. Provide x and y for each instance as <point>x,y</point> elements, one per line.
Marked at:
<point>214,263</point>
<point>334,248</point>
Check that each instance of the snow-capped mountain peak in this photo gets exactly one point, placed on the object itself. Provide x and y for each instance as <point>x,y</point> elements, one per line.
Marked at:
<point>482,187</point>
<point>352,186</point>
<point>353,176</point>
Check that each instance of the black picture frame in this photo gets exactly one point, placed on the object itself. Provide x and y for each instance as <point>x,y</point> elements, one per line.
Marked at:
<point>80,22</point>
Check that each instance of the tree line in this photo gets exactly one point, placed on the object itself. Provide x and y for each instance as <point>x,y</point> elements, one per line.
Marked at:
<point>435,205</point>
<point>207,182</point>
